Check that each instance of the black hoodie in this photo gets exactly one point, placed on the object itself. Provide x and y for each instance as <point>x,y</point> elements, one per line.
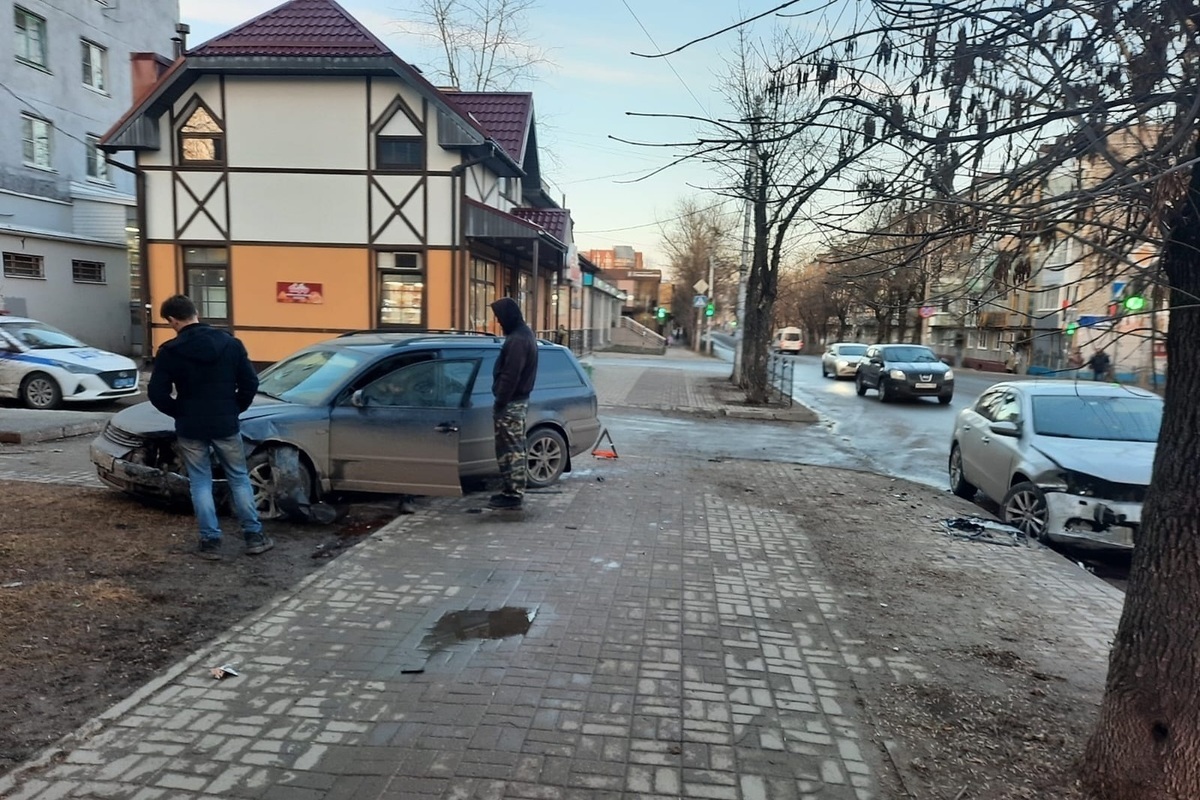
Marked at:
<point>213,380</point>
<point>516,368</point>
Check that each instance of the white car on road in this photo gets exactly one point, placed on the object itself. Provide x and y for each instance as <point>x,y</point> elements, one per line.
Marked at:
<point>44,367</point>
<point>1065,459</point>
<point>841,359</point>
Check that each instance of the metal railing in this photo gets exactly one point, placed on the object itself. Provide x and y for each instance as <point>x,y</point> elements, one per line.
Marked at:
<point>781,372</point>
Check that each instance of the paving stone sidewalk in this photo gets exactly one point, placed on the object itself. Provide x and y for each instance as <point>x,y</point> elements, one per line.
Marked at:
<point>686,640</point>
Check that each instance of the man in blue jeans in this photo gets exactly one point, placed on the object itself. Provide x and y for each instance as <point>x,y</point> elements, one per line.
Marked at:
<point>213,382</point>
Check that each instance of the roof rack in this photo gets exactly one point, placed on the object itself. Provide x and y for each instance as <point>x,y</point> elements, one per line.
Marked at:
<point>424,332</point>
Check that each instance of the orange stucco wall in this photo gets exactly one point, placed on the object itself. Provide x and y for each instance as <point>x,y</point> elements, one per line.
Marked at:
<point>438,267</point>
<point>160,262</point>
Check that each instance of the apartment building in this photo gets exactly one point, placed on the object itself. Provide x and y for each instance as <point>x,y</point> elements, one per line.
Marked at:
<point>67,216</point>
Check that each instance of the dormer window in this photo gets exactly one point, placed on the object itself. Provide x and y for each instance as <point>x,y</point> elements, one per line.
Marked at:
<point>201,139</point>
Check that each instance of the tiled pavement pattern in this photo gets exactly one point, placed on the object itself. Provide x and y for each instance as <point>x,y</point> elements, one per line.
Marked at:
<point>686,642</point>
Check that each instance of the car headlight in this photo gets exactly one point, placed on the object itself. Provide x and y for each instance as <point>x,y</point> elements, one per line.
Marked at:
<point>949,376</point>
<point>897,375</point>
<point>80,369</point>
<point>1078,483</point>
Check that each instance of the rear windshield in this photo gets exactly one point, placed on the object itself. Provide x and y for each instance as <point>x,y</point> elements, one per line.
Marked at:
<point>852,350</point>
<point>1123,418</point>
<point>911,355</point>
<point>310,378</point>
<point>791,337</point>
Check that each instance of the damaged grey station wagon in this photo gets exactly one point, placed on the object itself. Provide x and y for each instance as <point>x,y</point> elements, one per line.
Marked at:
<point>1066,460</point>
<point>393,413</point>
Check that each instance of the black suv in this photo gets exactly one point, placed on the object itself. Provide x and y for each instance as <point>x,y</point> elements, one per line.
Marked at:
<point>904,371</point>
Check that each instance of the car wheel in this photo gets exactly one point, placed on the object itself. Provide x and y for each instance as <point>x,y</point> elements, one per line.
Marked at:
<point>884,397</point>
<point>860,388</point>
<point>40,391</point>
<point>945,399</point>
<point>1024,507</point>
<point>267,494</point>
<point>547,457</point>
<point>824,372</point>
<point>958,483</point>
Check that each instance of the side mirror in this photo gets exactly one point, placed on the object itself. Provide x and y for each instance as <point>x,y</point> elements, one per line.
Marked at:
<point>877,361</point>
<point>1006,428</point>
<point>358,399</point>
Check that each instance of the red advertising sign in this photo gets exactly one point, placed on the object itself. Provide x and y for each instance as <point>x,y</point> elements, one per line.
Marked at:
<point>298,292</point>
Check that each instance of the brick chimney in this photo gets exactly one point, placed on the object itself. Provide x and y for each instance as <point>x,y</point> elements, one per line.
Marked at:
<point>146,68</point>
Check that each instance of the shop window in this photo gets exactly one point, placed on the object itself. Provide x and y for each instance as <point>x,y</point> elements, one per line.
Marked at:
<point>525,296</point>
<point>206,271</point>
<point>399,152</point>
<point>87,271</point>
<point>202,139</point>
<point>401,289</point>
<point>483,293</point>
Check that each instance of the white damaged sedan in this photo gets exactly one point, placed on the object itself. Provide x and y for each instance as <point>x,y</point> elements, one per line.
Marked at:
<point>1066,460</point>
<point>44,367</point>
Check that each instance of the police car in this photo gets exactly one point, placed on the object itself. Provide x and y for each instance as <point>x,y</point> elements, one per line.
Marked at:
<point>42,367</point>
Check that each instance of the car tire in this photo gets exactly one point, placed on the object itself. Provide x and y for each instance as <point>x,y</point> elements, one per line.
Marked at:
<point>547,455</point>
<point>884,397</point>
<point>860,388</point>
<point>40,392</point>
<point>958,482</point>
<point>824,371</point>
<point>1024,507</point>
<point>265,497</point>
<point>945,399</point>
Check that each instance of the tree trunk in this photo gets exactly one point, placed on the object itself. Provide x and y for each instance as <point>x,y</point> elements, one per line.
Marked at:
<point>1146,745</point>
<point>760,298</point>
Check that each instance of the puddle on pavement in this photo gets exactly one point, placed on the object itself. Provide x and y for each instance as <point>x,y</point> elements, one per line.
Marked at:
<point>460,626</point>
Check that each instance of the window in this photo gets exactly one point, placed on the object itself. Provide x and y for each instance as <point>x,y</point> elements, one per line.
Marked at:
<point>87,271</point>
<point>95,66</point>
<point>401,289</point>
<point>37,137</point>
<point>31,37</point>
<point>428,384</point>
<point>483,292</point>
<point>21,265</point>
<point>399,152</point>
<point>206,272</point>
<point>97,167</point>
<point>556,370</point>
<point>1008,409</point>
<point>201,139</point>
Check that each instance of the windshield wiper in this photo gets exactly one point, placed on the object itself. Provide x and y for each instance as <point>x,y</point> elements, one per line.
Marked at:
<point>268,394</point>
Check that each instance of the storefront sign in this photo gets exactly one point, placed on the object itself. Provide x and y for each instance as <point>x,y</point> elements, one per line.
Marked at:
<point>298,292</point>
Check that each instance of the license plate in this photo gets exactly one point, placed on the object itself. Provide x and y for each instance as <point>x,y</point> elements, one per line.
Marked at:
<point>124,383</point>
<point>926,385</point>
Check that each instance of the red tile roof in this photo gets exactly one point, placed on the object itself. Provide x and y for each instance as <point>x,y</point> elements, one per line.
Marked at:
<point>297,28</point>
<point>504,115</point>
<point>555,221</point>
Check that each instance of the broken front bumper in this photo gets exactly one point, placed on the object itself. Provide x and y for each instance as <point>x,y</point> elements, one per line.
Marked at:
<point>113,469</point>
<point>1092,521</point>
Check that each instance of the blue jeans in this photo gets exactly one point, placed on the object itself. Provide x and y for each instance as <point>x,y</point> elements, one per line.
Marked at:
<point>231,454</point>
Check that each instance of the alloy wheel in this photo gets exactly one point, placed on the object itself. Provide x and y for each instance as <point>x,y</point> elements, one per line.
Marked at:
<point>545,459</point>
<point>41,393</point>
<point>264,491</point>
<point>1025,509</point>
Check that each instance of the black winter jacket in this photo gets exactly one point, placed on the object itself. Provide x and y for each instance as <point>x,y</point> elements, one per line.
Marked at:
<point>516,368</point>
<point>213,380</point>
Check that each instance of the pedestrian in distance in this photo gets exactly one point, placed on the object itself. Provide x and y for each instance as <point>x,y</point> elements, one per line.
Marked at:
<point>1100,364</point>
<point>512,383</point>
<point>203,379</point>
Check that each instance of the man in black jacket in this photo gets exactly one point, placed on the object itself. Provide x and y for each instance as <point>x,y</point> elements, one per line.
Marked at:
<point>213,382</point>
<point>512,382</point>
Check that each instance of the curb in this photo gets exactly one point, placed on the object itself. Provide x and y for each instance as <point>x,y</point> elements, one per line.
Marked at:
<point>53,432</point>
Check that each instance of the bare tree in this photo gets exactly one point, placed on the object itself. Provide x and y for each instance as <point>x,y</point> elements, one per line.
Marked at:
<point>697,235</point>
<point>485,44</point>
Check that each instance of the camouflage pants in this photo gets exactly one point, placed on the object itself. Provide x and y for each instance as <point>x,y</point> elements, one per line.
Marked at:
<point>510,447</point>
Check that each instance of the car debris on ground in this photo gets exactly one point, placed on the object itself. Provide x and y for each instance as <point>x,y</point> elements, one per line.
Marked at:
<point>976,529</point>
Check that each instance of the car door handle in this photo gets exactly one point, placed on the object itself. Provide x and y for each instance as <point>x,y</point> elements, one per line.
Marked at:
<point>446,427</point>
<point>986,439</point>
<point>966,427</point>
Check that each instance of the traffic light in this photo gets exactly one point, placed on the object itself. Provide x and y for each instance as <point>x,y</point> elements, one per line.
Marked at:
<point>710,309</point>
<point>1071,328</point>
<point>1135,303</point>
<point>661,313</point>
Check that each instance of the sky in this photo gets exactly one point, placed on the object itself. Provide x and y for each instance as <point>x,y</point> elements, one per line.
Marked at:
<point>585,97</point>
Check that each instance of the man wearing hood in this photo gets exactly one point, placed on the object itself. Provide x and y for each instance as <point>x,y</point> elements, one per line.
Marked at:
<point>213,382</point>
<point>512,382</point>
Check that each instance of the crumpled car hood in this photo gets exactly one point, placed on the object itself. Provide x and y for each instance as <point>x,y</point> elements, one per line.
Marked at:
<point>1119,462</point>
<point>146,420</point>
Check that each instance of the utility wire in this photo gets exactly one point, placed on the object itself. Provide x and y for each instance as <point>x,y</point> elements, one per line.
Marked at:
<point>668,62</point>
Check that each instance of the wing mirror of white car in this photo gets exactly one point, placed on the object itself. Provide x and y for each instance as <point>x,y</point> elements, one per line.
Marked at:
<point>358,399</point>
<point>1006,428</point>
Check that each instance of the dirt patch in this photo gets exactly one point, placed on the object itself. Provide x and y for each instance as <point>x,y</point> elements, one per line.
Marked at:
<point>98,593</point>
<point>734,404</point>
<point>986,720</point>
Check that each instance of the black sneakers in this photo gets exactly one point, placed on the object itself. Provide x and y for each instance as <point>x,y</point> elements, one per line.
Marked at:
<point>209,549</point>
<point>258,543</point>
<point>505,501</point>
